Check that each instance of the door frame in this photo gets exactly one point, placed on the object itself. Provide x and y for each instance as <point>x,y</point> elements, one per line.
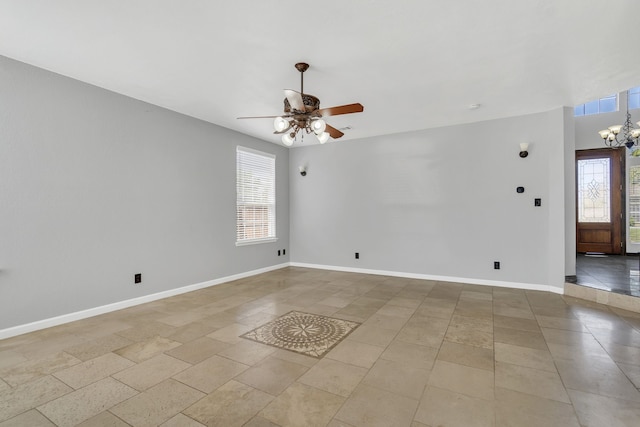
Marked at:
<point>618,199</point>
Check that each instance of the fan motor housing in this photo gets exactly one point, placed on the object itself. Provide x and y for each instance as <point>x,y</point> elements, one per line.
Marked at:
<point>311,103</point>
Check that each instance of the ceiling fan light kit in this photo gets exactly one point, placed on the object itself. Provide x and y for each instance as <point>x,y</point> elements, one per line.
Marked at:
<point>304,115</point>
<point>281,125</point>
<point>318,126</point>
<point>323,137</point>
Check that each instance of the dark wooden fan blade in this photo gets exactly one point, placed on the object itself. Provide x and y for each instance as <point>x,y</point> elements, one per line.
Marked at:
<point>295,99</point>
<point>335,133</point>
<point>342,109</point>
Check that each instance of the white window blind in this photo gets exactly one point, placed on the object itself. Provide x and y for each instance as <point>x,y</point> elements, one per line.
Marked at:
<point>256,196</point>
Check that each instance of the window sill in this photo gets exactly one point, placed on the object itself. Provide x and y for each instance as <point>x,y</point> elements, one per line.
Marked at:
<point>256,241</point>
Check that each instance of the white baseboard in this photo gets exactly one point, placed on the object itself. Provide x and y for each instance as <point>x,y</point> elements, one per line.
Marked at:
<point>78,315</point>
<point>71,317</point>
<point>484,282</point>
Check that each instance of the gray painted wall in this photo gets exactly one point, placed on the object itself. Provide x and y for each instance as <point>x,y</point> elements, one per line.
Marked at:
<point>95,187</point>
<point>438,202</point>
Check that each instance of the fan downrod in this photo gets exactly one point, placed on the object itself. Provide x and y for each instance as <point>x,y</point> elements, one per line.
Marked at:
<point>302,67</point>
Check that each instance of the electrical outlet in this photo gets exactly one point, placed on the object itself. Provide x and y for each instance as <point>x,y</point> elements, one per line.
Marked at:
<point>496,265</point>
<point>357,255</point>
<point>137,278</point>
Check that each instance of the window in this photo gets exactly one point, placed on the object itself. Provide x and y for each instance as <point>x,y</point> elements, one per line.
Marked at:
<point>602,105</point>
<point>256,196</point>
<point>594,192</point>
<point>634,97</point>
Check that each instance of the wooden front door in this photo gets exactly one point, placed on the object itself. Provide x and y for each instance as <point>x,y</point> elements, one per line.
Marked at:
<point>599,191</point>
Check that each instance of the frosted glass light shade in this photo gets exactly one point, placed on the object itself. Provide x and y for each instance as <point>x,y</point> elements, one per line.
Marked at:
<point>615,129</point>
<point>287,140</point>
<point>280,124</point>
<point>604,133</point>
<point>323,137</point>
<point>318,126</point>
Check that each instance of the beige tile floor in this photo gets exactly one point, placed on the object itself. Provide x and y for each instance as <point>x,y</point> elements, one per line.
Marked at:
<point>427,354</point>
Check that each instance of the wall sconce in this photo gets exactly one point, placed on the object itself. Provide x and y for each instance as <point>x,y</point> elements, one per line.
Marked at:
<point>303,170</point>
<point>524,146</point>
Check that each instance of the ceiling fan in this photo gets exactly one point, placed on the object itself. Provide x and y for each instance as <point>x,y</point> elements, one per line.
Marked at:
<point>302,113</point>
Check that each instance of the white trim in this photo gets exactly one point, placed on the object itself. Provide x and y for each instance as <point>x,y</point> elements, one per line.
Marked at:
<point>252,151</point>
<point>484,282</point>
<point>78,315</point>
<point>256,241</point>
<point>71,317</point>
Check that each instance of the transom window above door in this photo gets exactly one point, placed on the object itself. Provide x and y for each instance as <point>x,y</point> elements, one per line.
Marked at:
<point>634,97</point>
<point>606,104</point>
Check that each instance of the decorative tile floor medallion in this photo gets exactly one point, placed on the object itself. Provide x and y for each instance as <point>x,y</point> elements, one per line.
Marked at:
<point>305,333</point>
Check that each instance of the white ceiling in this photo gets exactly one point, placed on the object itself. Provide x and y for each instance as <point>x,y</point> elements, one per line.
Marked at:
<point>412,64</point>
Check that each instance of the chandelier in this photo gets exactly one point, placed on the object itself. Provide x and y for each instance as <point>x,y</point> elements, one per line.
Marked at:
<point>629,137</point>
